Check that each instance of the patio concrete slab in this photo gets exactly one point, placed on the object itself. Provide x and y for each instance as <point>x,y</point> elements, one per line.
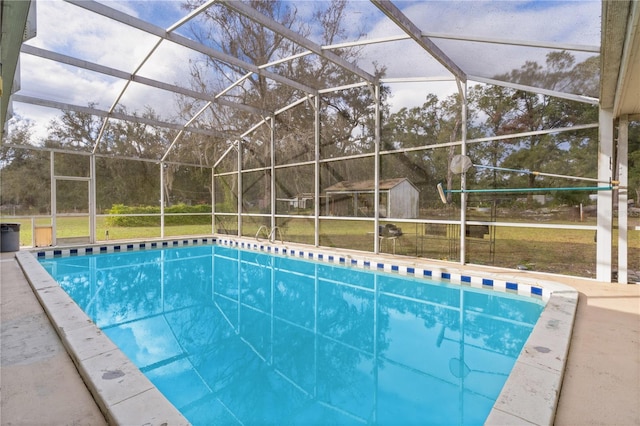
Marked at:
<point>602,379</point>
<point>39,383</point>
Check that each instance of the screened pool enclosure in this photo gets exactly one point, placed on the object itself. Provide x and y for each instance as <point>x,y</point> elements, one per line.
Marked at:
<point>329,123</point>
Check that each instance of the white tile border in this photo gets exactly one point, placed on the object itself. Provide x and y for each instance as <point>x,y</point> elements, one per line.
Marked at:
<point>529,396</point>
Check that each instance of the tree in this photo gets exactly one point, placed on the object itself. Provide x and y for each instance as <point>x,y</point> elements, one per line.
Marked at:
<point>530,112</point>
<point>342,112</point>
<point>24,174</point>
<point>498,105</point>
<point>415,127</point>
<point>251,42</point>
<point>75,131</point>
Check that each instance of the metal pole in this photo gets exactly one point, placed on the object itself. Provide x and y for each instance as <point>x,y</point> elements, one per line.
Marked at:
<point>605,200</point>
<point>162,199</point>
<point>92,198</point>
<point>376,168</point>
<point>536,173</point>
<point>623,177</point>
<point>272,183</point>
<point>239,207</point>
<point>463,177</point>
<point>498,190</point>
<point>54,210</point>
<point>316,170</point>
<point>213,200</point>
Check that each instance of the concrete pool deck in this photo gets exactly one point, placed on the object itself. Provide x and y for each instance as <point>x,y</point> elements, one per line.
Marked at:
<point>601,382</point>
<point>39,383</point>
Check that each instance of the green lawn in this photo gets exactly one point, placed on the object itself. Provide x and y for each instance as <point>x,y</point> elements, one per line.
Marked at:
<point>569,252</point>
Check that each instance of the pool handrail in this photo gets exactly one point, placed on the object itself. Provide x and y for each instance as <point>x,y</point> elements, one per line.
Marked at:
<point>271,234</point>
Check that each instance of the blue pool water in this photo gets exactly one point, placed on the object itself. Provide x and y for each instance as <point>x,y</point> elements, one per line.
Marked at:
<point>243,337</point>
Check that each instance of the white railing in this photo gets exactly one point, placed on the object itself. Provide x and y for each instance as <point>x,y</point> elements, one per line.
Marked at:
<point>270,234</point>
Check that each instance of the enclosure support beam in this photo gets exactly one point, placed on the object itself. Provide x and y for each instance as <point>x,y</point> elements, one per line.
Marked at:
<point>316,171</point>
<point>605,199</point>
<point>92,199</point>
<point>525,88</point>
<point>404,23</point>
<point>272,171</point>
<point>54,201</point>
<point>124,75</point>
<point>376,191</point>
<point>162,202</point>
<point>213,200</point>
<point>463,178</point>
<point>116,15</point>
<point>240,148</point>
<point>623,177</point>
<point>101,113</point>
<point>278,28</point>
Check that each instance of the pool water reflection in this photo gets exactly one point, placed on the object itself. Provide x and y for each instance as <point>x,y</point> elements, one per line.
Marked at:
<point>232,336</point>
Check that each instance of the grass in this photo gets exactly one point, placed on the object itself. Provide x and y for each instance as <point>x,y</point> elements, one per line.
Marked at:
<point>570,252</point>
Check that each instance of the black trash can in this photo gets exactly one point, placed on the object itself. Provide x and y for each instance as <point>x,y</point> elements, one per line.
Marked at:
<point>9,237</point>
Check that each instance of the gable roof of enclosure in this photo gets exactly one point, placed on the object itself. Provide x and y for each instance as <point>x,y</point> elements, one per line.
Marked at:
<point>95,57</point>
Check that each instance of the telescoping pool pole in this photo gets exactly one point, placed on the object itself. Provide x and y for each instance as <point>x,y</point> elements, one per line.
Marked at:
<point>531,172</point>
<point>462,163</point>
<point>442,192</point>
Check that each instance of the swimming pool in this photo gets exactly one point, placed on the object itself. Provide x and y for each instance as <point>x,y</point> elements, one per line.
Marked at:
<point>530,392</point>
<point>236,336</point>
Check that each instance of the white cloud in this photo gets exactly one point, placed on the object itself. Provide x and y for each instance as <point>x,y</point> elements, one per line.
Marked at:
<point>69,29</point>
<point>54,81</point>
<point>573,22</point>
<point>409,95</point>
<point>31,113</point>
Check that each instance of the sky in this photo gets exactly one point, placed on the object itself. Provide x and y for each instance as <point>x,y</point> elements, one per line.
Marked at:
<point>69,29</point>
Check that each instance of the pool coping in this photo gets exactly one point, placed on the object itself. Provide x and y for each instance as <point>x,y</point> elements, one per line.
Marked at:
<point>125,396</point>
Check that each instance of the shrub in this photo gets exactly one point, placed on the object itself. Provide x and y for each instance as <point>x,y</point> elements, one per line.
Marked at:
<point>150,215</point>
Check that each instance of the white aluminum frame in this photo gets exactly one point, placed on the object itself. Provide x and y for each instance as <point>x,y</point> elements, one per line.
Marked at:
<point>610,162</point>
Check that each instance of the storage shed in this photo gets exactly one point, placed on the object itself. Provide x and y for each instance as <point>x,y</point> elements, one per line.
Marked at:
<point>398,198</point>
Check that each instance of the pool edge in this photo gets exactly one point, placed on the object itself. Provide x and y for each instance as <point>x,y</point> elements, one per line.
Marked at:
<point>530,395</point>
<point>532,390</point>
<point>123,394</point>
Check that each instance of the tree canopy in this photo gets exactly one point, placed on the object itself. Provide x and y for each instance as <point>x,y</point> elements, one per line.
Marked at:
<point>129,152</point>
